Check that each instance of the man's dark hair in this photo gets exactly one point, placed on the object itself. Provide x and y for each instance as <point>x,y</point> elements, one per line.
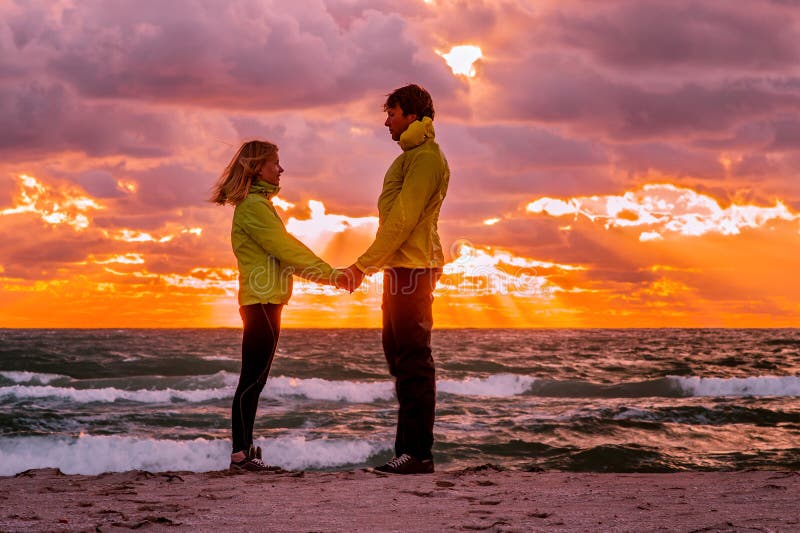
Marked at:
<point>412,99</point>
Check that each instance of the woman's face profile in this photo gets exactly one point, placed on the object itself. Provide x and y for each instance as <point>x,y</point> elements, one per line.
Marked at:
<point>271,171</point>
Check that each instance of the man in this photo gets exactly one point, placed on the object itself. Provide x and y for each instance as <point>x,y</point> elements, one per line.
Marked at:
<point>407,247</point>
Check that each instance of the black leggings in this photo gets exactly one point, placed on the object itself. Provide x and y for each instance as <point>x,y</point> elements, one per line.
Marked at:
<point>262,326</point>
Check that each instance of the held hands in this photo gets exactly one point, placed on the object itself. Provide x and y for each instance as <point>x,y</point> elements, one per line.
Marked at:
<point>350,278</point>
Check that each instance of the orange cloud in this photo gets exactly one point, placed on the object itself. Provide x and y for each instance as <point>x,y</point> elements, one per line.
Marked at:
<point>684,277</point>
<point>62,205</point>
<point>665,209</point>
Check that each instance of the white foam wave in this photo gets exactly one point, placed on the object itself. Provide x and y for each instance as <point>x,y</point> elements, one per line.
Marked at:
<point>30,377</point>
<point>223,385</point>
<point>217,358</point>
<point>751,386</point>
<point>498,385</point>
<point>94,454</point>
<point>112,394</point>
<point>322,389</point>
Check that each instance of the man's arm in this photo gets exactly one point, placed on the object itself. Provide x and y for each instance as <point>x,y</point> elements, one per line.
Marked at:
<point>421,180</point>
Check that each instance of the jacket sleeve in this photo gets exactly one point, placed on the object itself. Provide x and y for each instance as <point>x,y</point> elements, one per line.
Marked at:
<point>262,224</point>
<point>420,182</point>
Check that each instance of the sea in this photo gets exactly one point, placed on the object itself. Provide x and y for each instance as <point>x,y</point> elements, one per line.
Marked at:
<point>581,400</point>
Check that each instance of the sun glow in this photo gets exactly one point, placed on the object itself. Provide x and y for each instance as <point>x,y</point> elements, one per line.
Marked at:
<point>281,204</point>
<point>461,59</point>
<point>125,259</point>
<point>321,225</point>
<point>180,273</point>
<point>665,209</point>
<point>54,205</point>
<point>127,186</point>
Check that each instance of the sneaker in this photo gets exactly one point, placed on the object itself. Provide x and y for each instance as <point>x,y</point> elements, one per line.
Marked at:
<point>253,463</point>
<point>405,464</point>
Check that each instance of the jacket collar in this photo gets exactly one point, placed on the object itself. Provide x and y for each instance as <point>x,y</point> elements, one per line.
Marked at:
<point>417,133</point>
<point>262,187</point>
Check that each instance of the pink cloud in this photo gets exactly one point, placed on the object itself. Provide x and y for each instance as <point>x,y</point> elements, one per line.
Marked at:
<point>238,55</point>
<point>570,90</point>
<point>658,34</point>
<point>49,118</point>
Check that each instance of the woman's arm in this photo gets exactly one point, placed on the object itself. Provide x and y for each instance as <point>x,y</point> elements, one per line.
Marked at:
<point>261,222</point>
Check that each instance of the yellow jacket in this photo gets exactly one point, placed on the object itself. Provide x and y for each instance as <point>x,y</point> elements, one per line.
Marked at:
<point>413,191</point>
<point>267,254</point>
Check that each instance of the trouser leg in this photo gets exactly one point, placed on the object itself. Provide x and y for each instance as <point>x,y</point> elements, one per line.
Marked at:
<point>407,325</point>
<point>262,324</point>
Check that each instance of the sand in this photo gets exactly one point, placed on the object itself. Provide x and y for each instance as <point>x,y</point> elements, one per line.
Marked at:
<point>483,499</point>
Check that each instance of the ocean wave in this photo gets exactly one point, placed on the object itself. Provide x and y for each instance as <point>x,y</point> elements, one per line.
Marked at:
<point>222,386</point>
<point>30,377</point>
<point>671,387</point>
<point>750,386</point>
<point>498,385</point>
<point>94,454</point>
<point>113,394</point>
<point>323,389</point>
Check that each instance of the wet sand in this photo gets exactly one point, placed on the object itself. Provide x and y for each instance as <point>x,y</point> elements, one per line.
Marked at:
<point>483,499</point>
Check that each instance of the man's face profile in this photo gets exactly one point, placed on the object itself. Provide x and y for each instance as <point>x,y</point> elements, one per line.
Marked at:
<point>397,122</point>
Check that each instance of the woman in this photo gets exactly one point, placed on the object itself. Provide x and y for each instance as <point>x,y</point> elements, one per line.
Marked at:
<point>267,256</point>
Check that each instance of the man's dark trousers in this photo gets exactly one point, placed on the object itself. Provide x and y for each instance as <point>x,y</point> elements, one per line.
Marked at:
<point>407,324</point>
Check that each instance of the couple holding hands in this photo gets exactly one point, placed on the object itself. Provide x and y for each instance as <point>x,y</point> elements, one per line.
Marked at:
<point>406,248</point>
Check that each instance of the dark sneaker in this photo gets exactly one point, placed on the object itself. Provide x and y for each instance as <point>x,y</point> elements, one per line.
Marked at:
<point>405,464</point>
<point>253,463</point>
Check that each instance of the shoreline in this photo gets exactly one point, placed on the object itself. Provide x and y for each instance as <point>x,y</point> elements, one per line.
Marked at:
<point>484,498</point>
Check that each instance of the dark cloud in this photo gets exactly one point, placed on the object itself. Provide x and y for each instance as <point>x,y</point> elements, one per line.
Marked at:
<point>518,147</point>
<point>754,135</point>
<point>786,134</point>
<point>47,118</point>
<point>34,250</point>
<point>668,160</point>
<point>657,34</point>
<point>245,55</point>
<point>573,92</point>
<point>172,185</point>
<point>100,184</point>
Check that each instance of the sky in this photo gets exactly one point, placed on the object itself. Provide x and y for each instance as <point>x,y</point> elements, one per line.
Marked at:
<point>613,164</point>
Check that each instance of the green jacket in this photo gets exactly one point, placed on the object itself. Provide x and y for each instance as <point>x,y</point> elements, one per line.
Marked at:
<point>413,191</point>
<point>267,254</point>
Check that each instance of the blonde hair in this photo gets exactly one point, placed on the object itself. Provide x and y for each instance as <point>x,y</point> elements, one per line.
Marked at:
<point>235,181</point>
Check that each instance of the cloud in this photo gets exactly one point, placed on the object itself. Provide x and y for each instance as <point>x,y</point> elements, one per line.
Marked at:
<point>747,35</point>
<point>572,91</point>
<point>54,206</point>
<point>50,117</point>
<point>665,208</point>
<point>645,159</point>
<point>243,55</point>
<point>520,147</point>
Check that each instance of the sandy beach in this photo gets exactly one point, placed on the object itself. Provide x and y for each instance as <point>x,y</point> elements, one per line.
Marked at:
<point>482,499</point>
